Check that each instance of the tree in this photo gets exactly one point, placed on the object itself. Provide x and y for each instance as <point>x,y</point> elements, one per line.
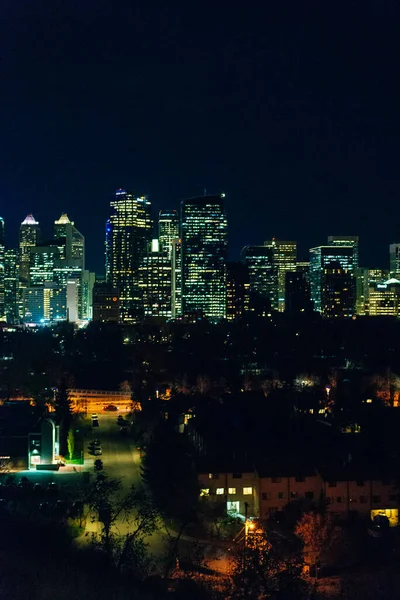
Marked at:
<point>259,573</point>
<point>62,405</point>
<point>71,443</point>
<point>169,472</point>
<point>111,508</point>
<point>315,530</point>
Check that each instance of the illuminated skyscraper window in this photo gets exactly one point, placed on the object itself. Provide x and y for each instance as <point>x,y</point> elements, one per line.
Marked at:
<point>128,233</point>
<point>204,231</point>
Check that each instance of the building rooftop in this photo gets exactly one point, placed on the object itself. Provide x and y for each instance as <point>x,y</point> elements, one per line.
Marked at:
<point>30,220</point>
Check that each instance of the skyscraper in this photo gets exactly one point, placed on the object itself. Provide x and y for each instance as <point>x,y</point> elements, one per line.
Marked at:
<point>237,290</point>
<point>263,277</point>
<point>74,240</point>
<point>2,249</point>
<point>11,284</point>
<point>129,233</point>
<point>204,232</point>
<point>168,229</point>
<point>346,240</point>
<point>332,280</point>
<point>285,256</point>
<point>28,237</point>
<point>394,254</point>
<point>155,282</point>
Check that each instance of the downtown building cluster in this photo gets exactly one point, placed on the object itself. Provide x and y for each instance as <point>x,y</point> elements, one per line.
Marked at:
<point>177,267</point>
<point>44,280</point>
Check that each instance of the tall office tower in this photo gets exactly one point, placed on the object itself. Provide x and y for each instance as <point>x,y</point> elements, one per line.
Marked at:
<point>365,278</point>
<point>69,277</point>
<point>237,290</point>
<point>105,303</point>
<point>346,240</point>
<point>28,237</point>
<point>332,280</point>
<point>168,229</point>
<point>2,250</point>
<point>11,284</point>
<point>204,230</point>
<point>155,282</point>
<point>42,262</point>
<point>394,254</point>
<point>74,240</point>
<point>176,278</point>
<point>297,291</point>
<point>108,251</point>
<point>44,303</point>
<point>88,281</point>
<point>263,277</point>
<point>285,256</point>
<point>130,231</point>
<point>384,298</point>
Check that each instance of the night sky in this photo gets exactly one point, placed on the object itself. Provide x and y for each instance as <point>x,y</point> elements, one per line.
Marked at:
<point>290,108</point>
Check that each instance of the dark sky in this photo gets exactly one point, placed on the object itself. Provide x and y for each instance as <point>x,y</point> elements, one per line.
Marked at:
<point>291,108</point>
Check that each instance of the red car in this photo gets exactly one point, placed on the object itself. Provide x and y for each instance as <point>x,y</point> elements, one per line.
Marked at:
<point>110,407</point>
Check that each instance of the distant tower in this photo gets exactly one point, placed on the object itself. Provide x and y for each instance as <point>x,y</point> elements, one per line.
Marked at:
<point>2,249</point>
<point>263,278</point>
<point>130,233</point>
<point>74,240</point>
<point>204,231</point>
<point>285,256</point>
<point>168,229</point>
<point>28,237</point>
<point>394,253</point>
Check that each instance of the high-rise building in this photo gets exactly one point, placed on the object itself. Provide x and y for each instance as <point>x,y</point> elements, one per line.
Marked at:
<point>394,254</point>
<point>285,256</point>
<point>346,240</point>
<point>237,290</point>
<point>88,281</point>
<point>263,276</point>
<point>28,237</point>
<point>297,291</point>
<point>105,303</point>
<point>204,232</point>
<point>364,279</point>
<point>332,280</point>
<point>130,231</point>
<point>11,284</point>
<point>44,303</point>
<point>384,298</point>
<point>42,261</point>
<point>176,278</point>
<point>2,250</point>
<point>74,240</point>
<point>108,251</point>
<point>155,282</point>
<point>168,229</point>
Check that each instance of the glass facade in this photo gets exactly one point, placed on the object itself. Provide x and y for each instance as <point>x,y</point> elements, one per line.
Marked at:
<point>394,256</point>
<point>28,237</point>
<point>285,256</point>
<point>168,229</point>
<point>263,275</point>
<point>74,240</point>
<point>384,298</point>
<point>155,282</point>
<point>332,280</point>
<point>11,284</point>
<point>2,250</point>
<point>204,232</point>
<point>128,235</point>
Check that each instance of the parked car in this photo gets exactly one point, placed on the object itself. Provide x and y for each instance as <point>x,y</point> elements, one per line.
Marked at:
<point>95,423</point>
<point>95,450</point>
<point>110,407</point>
<point>52,487</point>
<point>95,416</point>
<point>37,488</point>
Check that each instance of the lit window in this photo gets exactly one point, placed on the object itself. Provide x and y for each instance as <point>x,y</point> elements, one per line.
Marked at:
<point>231,490</point>
<point>205,492</point>
<point>219,491</point>
<point>247,491</point>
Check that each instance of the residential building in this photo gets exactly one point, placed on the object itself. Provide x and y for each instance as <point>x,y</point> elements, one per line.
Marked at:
<point>332,281</point>
<point>204,232</point>
<point>128,234</point>
<point>235,486</point>
<point>285,256</point>
<point>105,303</point>
<point>263,276</point>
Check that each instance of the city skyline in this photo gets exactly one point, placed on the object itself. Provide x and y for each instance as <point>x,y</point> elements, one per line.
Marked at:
<point>301,137</point>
